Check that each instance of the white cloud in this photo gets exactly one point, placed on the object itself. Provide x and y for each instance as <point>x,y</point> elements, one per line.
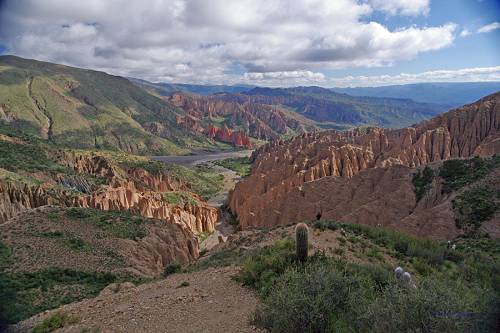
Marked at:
<point>204,41</point>
<point>489,27</point>
<point>460,75</point>
<point>465,33</point>
<point>285,78</point>
<point>403,7</point>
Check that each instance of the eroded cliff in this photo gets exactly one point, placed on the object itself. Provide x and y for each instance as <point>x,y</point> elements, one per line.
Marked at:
<point>286,174</point>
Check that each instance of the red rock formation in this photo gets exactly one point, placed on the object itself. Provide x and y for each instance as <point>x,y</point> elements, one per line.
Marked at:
<point>132,189</point>
<point>237,139</point>
<point>264,122</point>
<point>313,162</point>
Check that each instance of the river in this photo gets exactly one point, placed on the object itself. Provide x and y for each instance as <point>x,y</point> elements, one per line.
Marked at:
<point>199,158</point>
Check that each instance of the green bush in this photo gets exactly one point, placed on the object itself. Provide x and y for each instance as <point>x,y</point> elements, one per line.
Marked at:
<point>261,270</point>
<point>433,306</point>
<point>76,243</point>
<point>475,206</point>
<point>422,181</point>
<point>241,165</point>
<point>458,173</point>
<point>54,322</point>
<point>313,299</point>
<point>51,288</point>
<point>171,268</point>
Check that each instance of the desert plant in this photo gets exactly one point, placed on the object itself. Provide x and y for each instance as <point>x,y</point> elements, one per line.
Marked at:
<point>171,268</point>
<point>301,241</point>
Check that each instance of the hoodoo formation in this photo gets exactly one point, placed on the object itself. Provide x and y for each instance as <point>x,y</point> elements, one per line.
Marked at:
<point>365,175</point>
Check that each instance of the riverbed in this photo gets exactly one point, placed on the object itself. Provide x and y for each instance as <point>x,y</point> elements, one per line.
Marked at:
<point>200,158</point>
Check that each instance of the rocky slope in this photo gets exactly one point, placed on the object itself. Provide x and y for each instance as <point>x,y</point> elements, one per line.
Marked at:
<point>89,109</point>
<point>133,190</point>
<point>344,111</point>
<point>236,113</point>
<point>356,175</point>
<point>34,173</point>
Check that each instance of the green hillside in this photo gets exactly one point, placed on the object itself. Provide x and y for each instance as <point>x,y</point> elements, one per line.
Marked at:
<point>89,109</point>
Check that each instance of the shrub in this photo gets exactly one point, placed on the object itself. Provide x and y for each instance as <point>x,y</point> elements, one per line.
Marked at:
<point>312,299</point>
<point>458,173</point>
<point>434,306</point>
<point>261,270</point>
<point>79,213</point>
<point>54,322</point>
<point>184,284</point>
<point>171,268</point>
<point>475,206</point>
<point>422,181</point>
<point>302,241</point>
<point>76,243</point>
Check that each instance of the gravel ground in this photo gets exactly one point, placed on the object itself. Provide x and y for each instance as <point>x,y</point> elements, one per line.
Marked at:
<point>212,302</point>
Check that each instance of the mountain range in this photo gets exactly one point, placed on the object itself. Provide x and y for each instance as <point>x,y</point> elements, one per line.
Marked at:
<point>89,109</point>
<point>449,93</point>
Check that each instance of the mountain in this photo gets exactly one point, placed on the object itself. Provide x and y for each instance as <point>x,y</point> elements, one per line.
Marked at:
<point>451,94</point>
<point>341,111</point>
<point>232,113</point>
<point>88,109</point>
<point>163,88</point>
<point>373,176</point>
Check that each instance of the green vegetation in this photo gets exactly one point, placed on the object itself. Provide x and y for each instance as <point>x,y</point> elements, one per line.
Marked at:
<point>458,173</point>
<point>76,243</point>
<point>202,180</point>
<point>184,284</point>
<point>88,109</point>
<point>26,157</point>
<point>180,198</point>
<point>54,322</point>
<point>261,269</point>
<point>475,206</point>
<point>171,268</point>
<point>240,165</point>
<point>27,293</point>
<point>120,224</point>
<point>422,181</point>
<point>456,291</point>
<point>5,256</point>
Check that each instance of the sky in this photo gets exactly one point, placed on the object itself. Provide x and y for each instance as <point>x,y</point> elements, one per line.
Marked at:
<point>330,43</point>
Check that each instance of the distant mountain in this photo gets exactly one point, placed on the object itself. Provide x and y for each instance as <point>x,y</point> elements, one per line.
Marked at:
<point>169,88</point>
<point>338,110</point>
<point>451,94</point>
<point>89,109</point>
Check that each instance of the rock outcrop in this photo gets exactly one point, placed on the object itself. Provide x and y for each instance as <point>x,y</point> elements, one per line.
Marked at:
<point>132,189</point>
<point>336,171</point>
<point>264,122</point>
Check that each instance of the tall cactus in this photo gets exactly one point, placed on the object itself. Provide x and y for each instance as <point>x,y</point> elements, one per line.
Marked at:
<point>302,241</point>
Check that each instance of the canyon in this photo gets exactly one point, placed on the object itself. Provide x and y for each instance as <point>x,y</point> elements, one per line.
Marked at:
<point>363,175</point>
<point>233,118</point>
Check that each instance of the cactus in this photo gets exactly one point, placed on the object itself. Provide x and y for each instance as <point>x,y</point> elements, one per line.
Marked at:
<point>302,241</point>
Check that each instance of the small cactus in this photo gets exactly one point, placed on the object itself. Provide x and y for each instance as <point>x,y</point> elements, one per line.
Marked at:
<point>302,241</point>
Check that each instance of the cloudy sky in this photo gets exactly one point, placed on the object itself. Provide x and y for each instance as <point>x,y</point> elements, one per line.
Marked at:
<point>262,42</point>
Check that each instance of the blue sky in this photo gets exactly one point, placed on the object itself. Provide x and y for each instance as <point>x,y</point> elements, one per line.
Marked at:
<point>262,42</point>
<point>475,50</point>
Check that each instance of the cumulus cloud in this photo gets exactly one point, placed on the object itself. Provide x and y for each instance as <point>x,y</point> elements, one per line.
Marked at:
<point>478,74</point>
<point>489,27</point>
<point>203,41</point>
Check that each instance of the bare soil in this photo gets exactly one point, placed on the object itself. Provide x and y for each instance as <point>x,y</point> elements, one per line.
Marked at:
<point>211,302</point>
